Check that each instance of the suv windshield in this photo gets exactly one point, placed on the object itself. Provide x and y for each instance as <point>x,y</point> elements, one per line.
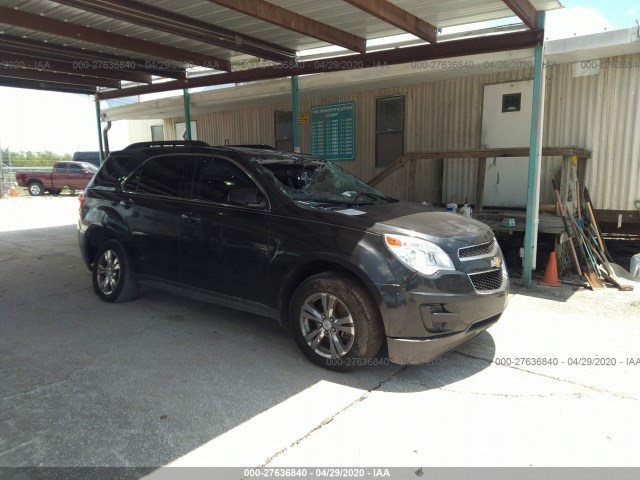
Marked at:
<point>312,182</point>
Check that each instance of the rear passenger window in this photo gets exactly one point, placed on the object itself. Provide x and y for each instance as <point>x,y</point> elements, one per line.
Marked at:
<point>216,177</point>
<point>60,168</point>
<point>165,176</point>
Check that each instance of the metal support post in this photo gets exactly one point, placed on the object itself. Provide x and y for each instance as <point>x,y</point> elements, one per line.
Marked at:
<point>99,123</point>
<point>535,155</point>
<point>295,113</point>
<point>187,114</point>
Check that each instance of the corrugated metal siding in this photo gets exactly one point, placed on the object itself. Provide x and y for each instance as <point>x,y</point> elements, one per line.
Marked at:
<point>140,130</point>
<point>601,113</point>
<point>246,126</point>
<point>598,112</point>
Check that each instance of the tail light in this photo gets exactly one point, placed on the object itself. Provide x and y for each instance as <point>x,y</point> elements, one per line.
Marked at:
<point>81,198</point>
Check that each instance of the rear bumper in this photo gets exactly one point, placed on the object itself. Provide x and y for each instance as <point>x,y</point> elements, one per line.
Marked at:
<point>82,244</point>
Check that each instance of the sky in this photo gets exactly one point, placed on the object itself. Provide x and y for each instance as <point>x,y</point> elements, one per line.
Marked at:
<point>65,123</point>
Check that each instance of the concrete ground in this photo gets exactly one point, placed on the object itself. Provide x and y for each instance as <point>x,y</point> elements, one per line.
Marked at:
<point>167,380</point>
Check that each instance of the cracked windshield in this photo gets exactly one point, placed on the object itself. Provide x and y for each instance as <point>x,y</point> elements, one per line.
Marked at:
<point>314,183</point>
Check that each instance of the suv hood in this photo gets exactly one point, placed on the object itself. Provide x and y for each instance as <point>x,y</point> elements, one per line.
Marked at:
<point>450,231</point>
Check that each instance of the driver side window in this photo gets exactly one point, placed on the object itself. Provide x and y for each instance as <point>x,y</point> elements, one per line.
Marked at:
<point>222,181</point>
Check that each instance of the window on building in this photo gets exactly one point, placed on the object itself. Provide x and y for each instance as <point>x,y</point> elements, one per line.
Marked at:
<point>284,130</point>
<point>389,129</point>
<point>511,102</point>
<point>157,133</point>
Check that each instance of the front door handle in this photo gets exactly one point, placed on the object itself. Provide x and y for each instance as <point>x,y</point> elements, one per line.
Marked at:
<point>191,217</point>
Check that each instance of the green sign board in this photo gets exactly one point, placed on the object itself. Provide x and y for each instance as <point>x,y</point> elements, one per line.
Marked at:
<point>333,131</point>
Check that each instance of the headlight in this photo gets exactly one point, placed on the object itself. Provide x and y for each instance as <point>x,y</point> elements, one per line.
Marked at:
<point>420,255</point>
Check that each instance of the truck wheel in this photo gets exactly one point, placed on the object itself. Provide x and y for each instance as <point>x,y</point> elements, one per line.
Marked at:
<point>36,189</point>
<point>113,280</point>
<point>335,322</point>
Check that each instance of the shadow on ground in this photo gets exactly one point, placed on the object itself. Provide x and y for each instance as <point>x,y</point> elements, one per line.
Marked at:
<point>86,383</point>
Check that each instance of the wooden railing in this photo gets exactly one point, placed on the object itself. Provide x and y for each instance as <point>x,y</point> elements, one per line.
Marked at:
<point>481,155</point>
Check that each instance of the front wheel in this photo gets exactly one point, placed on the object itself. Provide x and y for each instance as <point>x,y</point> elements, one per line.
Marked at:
<point>335,322</point>
<point>113,280</point>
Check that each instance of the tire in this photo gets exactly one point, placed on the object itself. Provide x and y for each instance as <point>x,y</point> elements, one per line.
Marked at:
<point>112,277</point>
<point>335,322</point>
<point>36,189</point>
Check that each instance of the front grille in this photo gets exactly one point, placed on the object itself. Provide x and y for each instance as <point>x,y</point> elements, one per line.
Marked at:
<point>487,281</point>
<point>478,250</point>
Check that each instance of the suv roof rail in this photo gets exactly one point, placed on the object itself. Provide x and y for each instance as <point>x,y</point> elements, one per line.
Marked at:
<point>167,143</point>
<point>258,146</point>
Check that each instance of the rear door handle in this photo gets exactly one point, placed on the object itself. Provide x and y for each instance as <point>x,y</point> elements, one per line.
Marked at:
<point>191,217</point>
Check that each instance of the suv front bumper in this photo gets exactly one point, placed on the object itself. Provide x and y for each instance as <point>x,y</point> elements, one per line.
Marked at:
<point>428,317</point>
<point>413,351</point>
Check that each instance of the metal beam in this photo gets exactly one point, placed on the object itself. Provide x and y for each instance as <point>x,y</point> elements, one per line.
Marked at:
<point>469,46</point>
<point>396,16</point>
<point>50,87</point>
<point>44,24</point>
<point>167,21</point>
<point>525,11</point>
<point>65,78</point>
<point>77,67</point>
<point>535,145</point>
<point>293,21</point>
<point>51,51</point>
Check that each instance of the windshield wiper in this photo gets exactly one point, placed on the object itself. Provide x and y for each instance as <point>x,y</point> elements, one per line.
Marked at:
<point>375,196</point>
<point>334,202</point>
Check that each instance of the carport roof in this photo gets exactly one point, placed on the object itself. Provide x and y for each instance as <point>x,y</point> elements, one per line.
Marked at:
<point>93,46</point>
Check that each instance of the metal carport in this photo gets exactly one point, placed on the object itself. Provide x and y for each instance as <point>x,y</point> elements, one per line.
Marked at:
<point>121,48</point>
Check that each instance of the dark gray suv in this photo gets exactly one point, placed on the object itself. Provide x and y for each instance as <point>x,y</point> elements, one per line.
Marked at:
<point>295,238</point>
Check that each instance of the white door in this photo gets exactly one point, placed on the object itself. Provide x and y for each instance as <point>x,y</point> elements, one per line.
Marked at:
<point>506,122</point>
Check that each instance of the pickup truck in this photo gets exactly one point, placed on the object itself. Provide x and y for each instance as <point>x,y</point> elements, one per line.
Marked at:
<point>73,175</point>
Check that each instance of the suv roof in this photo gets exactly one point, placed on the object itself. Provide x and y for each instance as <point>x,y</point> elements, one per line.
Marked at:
<point>121,163</point>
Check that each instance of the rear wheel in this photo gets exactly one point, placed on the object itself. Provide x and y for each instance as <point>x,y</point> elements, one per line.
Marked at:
<point>113,280</point>
<point>335,322</point>
<point>36,189</point>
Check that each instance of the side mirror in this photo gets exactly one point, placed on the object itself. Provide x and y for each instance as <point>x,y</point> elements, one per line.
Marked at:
<point>246,197</point>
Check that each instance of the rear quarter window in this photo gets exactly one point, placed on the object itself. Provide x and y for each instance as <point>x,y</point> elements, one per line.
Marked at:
<point>114,170</point>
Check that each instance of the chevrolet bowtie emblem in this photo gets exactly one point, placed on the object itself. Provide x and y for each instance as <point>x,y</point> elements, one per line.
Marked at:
<point>496,262</point>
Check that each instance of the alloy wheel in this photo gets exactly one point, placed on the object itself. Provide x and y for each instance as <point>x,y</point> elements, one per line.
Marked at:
<point>327,325</point>
<point>108,272</point>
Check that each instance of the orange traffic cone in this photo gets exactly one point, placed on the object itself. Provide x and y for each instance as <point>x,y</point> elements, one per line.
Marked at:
<point>550,278</point>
